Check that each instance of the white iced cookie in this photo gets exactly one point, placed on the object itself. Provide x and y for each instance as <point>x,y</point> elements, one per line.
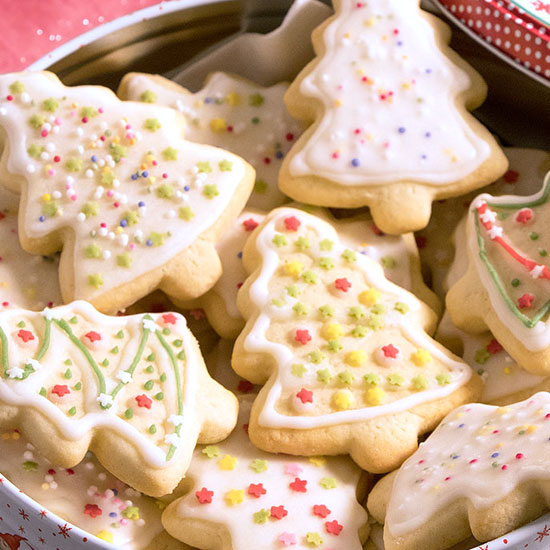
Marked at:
<point>131,389</point>
<point>388,103</point>
<point>113,185</point>
<point>240,496</point>
<point>320,316</point>
<point>235,114</point>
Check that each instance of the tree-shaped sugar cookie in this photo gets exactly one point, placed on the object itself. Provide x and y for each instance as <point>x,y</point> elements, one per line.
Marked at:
<point>388,101</point>
<point>240,497</point>
<point>507,285</point>
<point>233,113</point>
<point>132,389</point>
<point>133,206</point>
<point>342,351</point>
<point>483,471</point>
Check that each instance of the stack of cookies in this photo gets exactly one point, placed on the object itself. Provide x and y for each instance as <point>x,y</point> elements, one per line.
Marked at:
<point>215,360</point>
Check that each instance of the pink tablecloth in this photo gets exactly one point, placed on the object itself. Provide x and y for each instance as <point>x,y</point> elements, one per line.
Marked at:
<point>31,28</point>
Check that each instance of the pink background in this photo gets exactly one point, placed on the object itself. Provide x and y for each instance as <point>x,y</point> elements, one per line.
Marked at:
<point>31,28</point>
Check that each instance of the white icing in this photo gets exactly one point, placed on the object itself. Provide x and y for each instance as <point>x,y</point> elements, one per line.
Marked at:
<point>479,452</point>
<point>388,96</point>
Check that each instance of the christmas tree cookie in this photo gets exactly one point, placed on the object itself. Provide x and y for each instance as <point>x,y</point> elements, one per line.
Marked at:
<point>26,281</point>
<point>506,286</point>
<point>388,104</point>
<point>343,352</point>
<point>483,471</point>
<point>113,184</point>
<point>235,114</point>
<point>134,390</point>
<point>240,497</point>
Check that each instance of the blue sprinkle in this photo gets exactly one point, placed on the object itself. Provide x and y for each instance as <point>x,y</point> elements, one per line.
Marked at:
<point>428,71</point>
<point>455,457</point>
<point>494,455</point>
<point>400,43</point>
<point>42,219</point>
<point>94,158</point>
<point>141,203</point>
<point>113,515</point>
<point>145,174</point>
<point>135,177</point>
<point>279,154</point>
<point>402,129</point>
<point>424,157</point>
<point>123,223</point>
<point>208,100</point>
<point>428,134</point>
<point>461,425</point>
<point>355,163</point>
<point>186,188</point>
<point>240,255</point>
<point>149,242</point>
<point>115,491</point>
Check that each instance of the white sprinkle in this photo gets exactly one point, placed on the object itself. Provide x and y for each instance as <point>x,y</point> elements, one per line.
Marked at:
<point>69,180</point>
<point>56,194</point>
<point>536,272</point>
<point>34,364</point>
<point>124,376</point>
<point>123,239</point>
<point>105,400</point>
<point>124,199</point>
<point>104,125</point>
<point>56,129</point>
<point>44,156</point>
<point>103,231</point>
<point>46,126</point>
<point>50,147</point>
<point>106,254</point>
<point>15,372</point>
<point>488,216</point>
<point>25,97</point>
<point>495,231</point>
<point>173,439</point>
<point>80,132</point>
<point>81,217</point>
<point>111,236</point>
<point>93,137</point>
<point>171,214</point>
<point>101,162</point>
<point>149,324</point>
<point>48,314</point>
<point>175,419</point>
<point>116,183</point>
<point>142,210</point>
<point>89,173</point>
<point>31,169</point>
<point>3,111</point>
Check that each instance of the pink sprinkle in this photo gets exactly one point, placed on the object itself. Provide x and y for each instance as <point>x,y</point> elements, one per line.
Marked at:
<point>51,172</point>
<point>102,138</point>
<point>519,456</point>
<point>73,197</point>
<point>110,193</point>
<point>129,135</point>
<point>44,133</point>
<point>447,478</point>
<point>386,144</point>
<point>100,110</point>
<point>124,521</point>
<point>335,155</point>
<point>504,467</point>
<point>165,175</point>
<point>57,122</point>
<point>9,98</point>
<point>84,119</point>
<point>116,204</point>
<point>421,461</point>
<point>155,163</point>
<point>473,461</point>
<point>495,431</point>
<point>357,131</point>
<point>103,224</point>
<point>132,246</point>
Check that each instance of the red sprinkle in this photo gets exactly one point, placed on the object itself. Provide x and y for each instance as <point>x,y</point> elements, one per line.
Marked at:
<point>321,510</point>
<point>292,223</point>
<point>390,351</point>
<point>25,335</point>
<point>93,336</point>
<point>494,347</point>
<point>333,527</point>
<point>204,496</point>
<point>525,301</point>
<point>9,97</point>
<point>305,396</point>
<point>256,490</point>
<point>144,401</point>
<point>278,512</point>
<point>250,224</point>
<point>169,319</point>
<point>60,391</point>
<point>342,284</point>
<point>519,456</point>
<point>92,510</point>
<point>302,336</point>
<point>299,485</point>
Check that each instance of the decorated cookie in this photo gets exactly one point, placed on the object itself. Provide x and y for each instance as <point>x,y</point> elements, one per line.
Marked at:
<point>87,496</point>
<point>505,288</point>
<point>527,168</point>
<point>133,206</point>
<point>484,470</point>
<point>26,281</point>
<point>232,113</point>
<point>343,351</point>
<point>132,389</point>
<point>240,496</point>
<point>388,101</point>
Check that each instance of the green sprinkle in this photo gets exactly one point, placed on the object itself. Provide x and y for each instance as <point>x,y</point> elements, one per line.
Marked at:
<point>316,356</point>
<point>482,356</point>
<point>324,376</point>
<point>515,282</point>
<point>90,209</point>
<point>279,240</point>
<point>378,309</point>
<point>117,151</point>
<point>105,362</point>
<point>372,378</point>
<point>166,331</point>
<point>349,255</point>
<point>68,374</point>
<point>419,382</point>
<point>165,191</point>
<point>43,391</point>
<point>395,379</point>
<point>114,350</point>
<point>533,235</point>
<point>149,385</point>
<point>357,312</point>
<point>211,451</point>
<point>278,302</point>
<point>543,252</point>
<point>326,310</point>
<point>293,291</point>
<point>443,379</point>
<point>30,466</point>
<point>359,331</point>
<point>73,165</point>
<point>300,309</point>
<point>298,369</point>
<point>152,429</point>
<point>156,238</point>
<point>148,97</point>
<point>375,322</point>
<point>124,260</point>
<point>255,120</point>
<point>36,122</point>
<point>326,245</point>
<point>89,112</point>
<point>131,513</point>
<point>71,411</point>
<point>210,190</point>
<point>302,243</point>
<point>186,213</point>
<point>262,516</point>
<point>50,105</point>
<point>345,378</point>
<point>256,100</point>
<point>107,179</point>
<point>21,324</point>
<point>78,386</point>
<point>401,307</point>
<point>181,355</point>
<point>204,167</point>
<point>328,483</point>
<point>260,186</point>
<point>50,209</point>
<point>17,87</point>
<point>334,346</point>
<point>163,377</point>
<point>129,413</point>
<point>310,277</point>
<point>119,335</point>
<point>92,251</point>
<point>131,217</point>
<point>388,262</point>
<point>225,165</point>
<point>326,263</point>
<point>95,280</point>
<point>259,465</point>
<point>150,369</point>
<point>151,124</point>
<point>159,396</point>
<point>34,151</point>
<point>178,343</point>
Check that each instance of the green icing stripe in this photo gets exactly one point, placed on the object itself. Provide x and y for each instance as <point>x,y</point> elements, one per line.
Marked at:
<point>133,364</point>
<point>172,357</point>
<point>529,323</point>
<point>528,204</point>
<point>46,341</point>
<point>63,325</point>
<point>5,357</point>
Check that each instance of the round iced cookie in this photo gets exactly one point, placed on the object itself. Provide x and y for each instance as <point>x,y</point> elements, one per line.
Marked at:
<point>340,349</point>
<point>26,281</point>
<point>483,471</point>
<point>527,168</point>
<point>86,495</point>
<point>235,114</point>
<point>388,105</point>
<point>239,495</point>
<point>133,389</point>
<point>113,184</point>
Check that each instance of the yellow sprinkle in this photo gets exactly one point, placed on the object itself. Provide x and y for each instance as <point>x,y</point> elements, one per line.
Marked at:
<point>332,331</point>
<point>420,357</point>
<point>343,400</point>
<point>144,166</point>
<point>119,230</point>
<point>133,141</point>
<point>107,170</point>
<point>356,358</point>
<point>46,197</point>
<point>107,536</point>
<point>337,103</point>
<point>406,85</point>
<point>364,245</point>
<point>532,429</point>
<point>459,415</point>
<point>74,105</point>
<point>152,179</point>
<point>235,496</point>
<point>499,445</point>
<point>375,395</point>
<point>45,486</point>
<point>218,125</point>
<point>5,436</point>
<point>293,268</point>
<point>369,22</point>
<point>317,460</point>
<point>234,99</point>
<point>228,462</point>
<point>502,410</point>
<point>347,35</point>
<point>92,145</point>
<point>15,435</point>
<point>369,297</point>
<point>116,139</point>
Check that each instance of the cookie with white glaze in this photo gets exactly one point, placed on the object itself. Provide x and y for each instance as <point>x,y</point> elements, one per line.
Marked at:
<point>388,102</point>
<point>239,495</point>
<point>132,389</point>
<point>483,471</point>
<point>87,496</point>
<point>26,281</point>
<point>527,168</point>
<point>505,287</point>
<point>344,354</point>
<point>112,184</point>
<point>232,113</point>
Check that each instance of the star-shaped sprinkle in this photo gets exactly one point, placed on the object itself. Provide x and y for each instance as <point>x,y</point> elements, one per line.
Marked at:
<point>211,451</point>
<point>525,301</point>
<point>234,497</point>
<point>314,539</point>
<point>261,516</point>
<point>342,284</point>
<point>144,401</point>
<point>256,490</point>
<point>228,462</point>
<point>302,336</point>
<point>328,483</point>
<point>92,510</point>
<point>250,224</point>
<point>60,390</point>
<point>321,510</point>
<point>259,465</point>
<point>292,223</point>
<point>293,469</point>
<point>288,539</point>
<point>390,351</point>
<point>204,496</point>
<point>25,335</point>
<point>278,512</point>
<point>305,396</point>
<point>333,527</point>
<point>299,485</point>
<point>93,336</point>
<point>169,318</point>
